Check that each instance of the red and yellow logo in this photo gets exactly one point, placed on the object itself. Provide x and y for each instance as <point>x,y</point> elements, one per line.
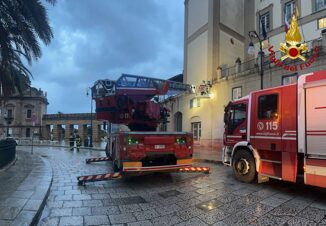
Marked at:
<point>293,48</point>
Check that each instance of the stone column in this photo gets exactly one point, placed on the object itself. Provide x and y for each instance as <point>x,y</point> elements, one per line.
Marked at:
<point>82,130</point>
<point>46,133</point>
<point>96,132</point>
<point>57,132</point>
<point>69,130</point>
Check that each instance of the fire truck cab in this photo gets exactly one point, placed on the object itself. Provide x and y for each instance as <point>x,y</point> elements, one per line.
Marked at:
<point>279,132</point>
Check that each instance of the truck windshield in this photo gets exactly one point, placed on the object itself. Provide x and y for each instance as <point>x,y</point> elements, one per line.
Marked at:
<point>235,115</point>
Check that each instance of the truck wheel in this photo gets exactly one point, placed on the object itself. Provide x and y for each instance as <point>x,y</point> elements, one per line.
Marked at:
<point>244,166</point>
<point>107,150</point>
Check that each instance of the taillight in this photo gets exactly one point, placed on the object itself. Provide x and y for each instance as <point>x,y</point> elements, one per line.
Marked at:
<point>181,140</point>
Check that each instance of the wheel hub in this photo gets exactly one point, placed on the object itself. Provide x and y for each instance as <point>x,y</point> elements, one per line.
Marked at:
<point>242,166</point>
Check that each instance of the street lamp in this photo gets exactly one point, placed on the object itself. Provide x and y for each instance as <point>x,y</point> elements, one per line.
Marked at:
<point>251,51</point>
<point>8,119</point>
<point>91,136</point>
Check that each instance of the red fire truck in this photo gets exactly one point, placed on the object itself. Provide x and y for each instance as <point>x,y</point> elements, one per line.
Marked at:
<point>279,133</point>
<point>132,101</point>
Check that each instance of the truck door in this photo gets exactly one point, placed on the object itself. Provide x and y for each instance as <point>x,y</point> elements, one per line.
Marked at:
<point>265,134</point>
<point>316,123</point>
<point>236,123</point>
<point>315,139</point>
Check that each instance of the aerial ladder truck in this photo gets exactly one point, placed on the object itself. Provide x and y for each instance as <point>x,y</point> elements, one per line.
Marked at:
<point>133,101</point>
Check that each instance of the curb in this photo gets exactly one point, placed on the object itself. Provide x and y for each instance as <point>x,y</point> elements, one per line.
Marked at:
<point>38,182</point>
<point>38,214</point>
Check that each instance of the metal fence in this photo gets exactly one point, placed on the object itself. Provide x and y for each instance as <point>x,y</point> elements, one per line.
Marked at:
<point>7,151</point>
<point>252,66</point>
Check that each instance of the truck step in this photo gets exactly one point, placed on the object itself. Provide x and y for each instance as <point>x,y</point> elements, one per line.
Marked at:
<point>100,159</point>
<point>98,177</point>
<point>195,169</point>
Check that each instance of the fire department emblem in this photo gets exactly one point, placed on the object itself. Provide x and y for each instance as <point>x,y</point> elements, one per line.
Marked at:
<point>260,126</point>
<point>293,48</point>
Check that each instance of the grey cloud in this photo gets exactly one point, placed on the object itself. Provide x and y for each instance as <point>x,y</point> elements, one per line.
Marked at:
<point>96,39</point>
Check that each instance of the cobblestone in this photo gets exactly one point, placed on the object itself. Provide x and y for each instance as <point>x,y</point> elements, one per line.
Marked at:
<point>168,199</point>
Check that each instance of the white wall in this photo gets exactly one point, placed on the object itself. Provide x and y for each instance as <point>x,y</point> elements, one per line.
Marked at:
<point>230,52</point>
<point>197,60</point>
<point>197,15</point>
<point>232,14</point>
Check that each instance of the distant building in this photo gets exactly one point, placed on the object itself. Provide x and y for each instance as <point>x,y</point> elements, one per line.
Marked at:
<point>216,45</point>
<point>25,113</point>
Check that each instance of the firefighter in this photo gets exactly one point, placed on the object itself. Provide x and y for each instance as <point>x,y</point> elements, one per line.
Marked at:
<point>78,142</point>
<point>71,142</point>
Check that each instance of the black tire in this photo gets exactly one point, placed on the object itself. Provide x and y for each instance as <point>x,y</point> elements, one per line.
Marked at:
<point>107,150</point>
<point>244,166</point>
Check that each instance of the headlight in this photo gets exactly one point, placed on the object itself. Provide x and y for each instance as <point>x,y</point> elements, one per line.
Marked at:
<point>181,140</point>
<point>132,141</point>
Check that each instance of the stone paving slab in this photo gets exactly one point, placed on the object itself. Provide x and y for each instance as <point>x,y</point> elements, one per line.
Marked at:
<point>172,199</point>
<point>23,189</point>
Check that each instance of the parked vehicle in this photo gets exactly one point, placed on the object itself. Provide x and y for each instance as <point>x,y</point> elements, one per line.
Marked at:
<point>131,101</point>
<point>279,132</point>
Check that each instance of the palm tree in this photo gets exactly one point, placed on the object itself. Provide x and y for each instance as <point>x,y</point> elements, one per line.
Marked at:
<point>22,24</point>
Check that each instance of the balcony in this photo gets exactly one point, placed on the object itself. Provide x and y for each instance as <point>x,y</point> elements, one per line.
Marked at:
<point>251,67</point>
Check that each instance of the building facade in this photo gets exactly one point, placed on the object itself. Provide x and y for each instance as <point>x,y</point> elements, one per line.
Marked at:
<point>216,56</point>
<point>59,127</point>
<point>21,115</point>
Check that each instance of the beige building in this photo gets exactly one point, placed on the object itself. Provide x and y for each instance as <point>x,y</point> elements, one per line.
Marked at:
<point>216,44</point>
<point>24,113</point>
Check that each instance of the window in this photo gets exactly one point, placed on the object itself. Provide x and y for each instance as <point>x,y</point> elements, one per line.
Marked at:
<point>237,115</point>
<point>236,93</point>
<point>195,103</point>
<point>9,113</point>
<point>28,132</point>
<point>264,21</point>
<point>320,4</point>
<point>289,79</point>
<point>29,113</point>
<point>289,10</point>
<point>322,23</point>
<point>267,106</point>
<point>196,130</point>
<point>178,122</point>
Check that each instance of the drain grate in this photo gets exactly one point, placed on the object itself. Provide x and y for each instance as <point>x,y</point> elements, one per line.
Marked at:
<point>170,193</point>
<point>208,205</point>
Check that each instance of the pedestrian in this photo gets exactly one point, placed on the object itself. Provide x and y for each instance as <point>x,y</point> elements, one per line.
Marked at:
<point>71,142</point>
<point>78,141</point>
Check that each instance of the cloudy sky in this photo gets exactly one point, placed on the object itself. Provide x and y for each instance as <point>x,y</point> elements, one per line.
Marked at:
<point>100,39</point>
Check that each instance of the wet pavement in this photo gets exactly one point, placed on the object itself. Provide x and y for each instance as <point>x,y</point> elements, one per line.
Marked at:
<point>23,189</point>
<point>172,199</point>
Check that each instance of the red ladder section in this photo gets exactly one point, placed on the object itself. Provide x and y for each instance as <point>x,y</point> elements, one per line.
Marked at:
<point>99,177</point>
<point>100,159</point>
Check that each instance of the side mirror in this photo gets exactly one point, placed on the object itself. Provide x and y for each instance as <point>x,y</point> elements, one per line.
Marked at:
<point>225,117</point>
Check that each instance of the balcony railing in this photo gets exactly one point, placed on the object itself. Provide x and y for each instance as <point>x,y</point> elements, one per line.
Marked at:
<point>251,66</point>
